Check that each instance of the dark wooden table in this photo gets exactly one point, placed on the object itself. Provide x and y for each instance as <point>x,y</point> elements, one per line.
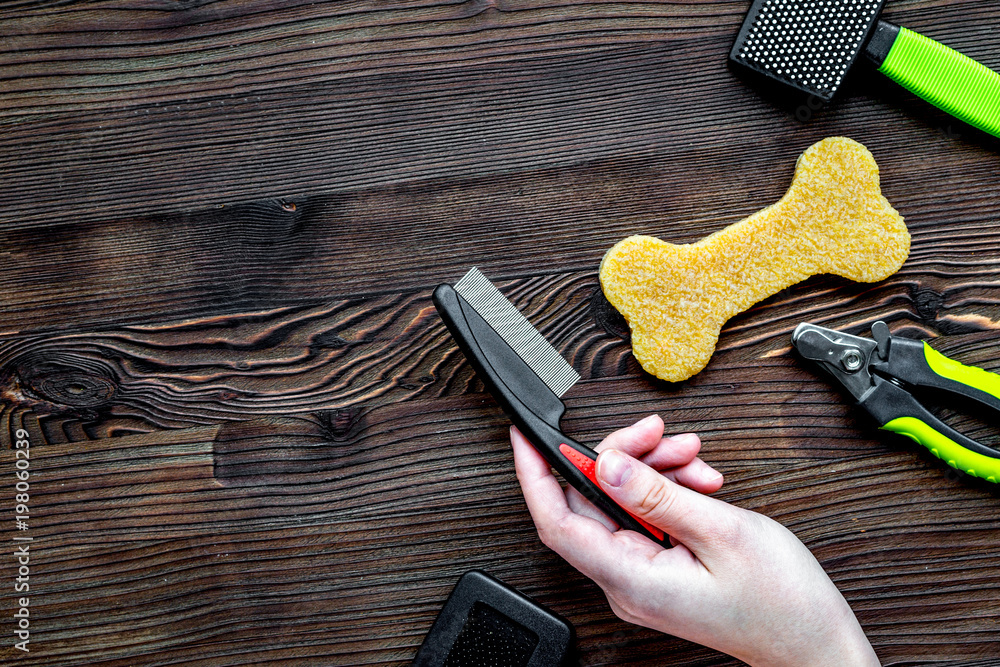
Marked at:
<point>253,441</point>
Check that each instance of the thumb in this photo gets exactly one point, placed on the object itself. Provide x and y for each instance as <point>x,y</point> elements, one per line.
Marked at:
<point>688,516</point>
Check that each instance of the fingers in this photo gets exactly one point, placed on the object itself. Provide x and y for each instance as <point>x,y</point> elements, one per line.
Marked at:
<point>558,527</point>
<point>580,505</point>
<point>696,475</point>
<point>675,457</point>
<point>672,452</point>
<point>541,489</point>
<point>694,519</point>
<point>570,525</point>
<point>585,543</point>
<point>637,439</point>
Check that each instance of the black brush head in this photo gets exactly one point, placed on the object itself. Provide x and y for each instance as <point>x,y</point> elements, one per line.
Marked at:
<point>808,45</point>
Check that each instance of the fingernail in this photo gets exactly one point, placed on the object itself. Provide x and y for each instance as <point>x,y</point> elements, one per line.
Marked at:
<point>682,436</point>
<point>711,474</point>
<point>644,420</point>
<point>614,468</point>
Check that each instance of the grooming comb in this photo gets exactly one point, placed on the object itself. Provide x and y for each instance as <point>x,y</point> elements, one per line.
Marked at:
<point>527,377</point>
<point>810,45</point>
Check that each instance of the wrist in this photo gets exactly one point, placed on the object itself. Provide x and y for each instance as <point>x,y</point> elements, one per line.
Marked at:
<point>831,639</point>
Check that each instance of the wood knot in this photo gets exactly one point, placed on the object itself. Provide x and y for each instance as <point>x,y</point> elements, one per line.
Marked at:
<point>607,317</point>
<point>928,304</point>
<point>68,385</point>
<point>338,424</point>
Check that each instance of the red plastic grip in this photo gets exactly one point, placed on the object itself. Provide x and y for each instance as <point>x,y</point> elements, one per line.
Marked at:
<point>588,467</point>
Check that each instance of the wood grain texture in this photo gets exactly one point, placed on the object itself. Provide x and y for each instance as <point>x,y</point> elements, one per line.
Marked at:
<point>253,440</point>
<point>660,102</point>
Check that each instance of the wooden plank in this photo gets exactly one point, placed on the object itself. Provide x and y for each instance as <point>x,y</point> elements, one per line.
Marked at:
<point>237,564</point>
<point>667,109</point>
<point>409,477</point>
<point>336,363</point>
<point>86,56</point>
<point>253,440</point>
<point>270,254</point>
<point>321,421</point>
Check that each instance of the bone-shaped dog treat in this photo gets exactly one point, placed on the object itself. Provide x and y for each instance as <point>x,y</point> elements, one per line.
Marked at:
<point>833,219</point>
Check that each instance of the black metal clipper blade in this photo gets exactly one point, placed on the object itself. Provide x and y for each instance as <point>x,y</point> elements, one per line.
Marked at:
<point>809,45</point>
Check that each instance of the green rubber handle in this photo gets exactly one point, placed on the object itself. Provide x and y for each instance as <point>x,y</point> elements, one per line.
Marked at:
<point>947,79</point>
<point>970,376</point>
<point>946,449</point>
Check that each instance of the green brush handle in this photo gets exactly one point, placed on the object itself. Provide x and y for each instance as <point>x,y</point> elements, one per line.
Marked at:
<point>947,79</point>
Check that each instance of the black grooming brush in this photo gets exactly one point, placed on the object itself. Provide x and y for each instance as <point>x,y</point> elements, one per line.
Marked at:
<point>810,46</point>
<point>486,623</point>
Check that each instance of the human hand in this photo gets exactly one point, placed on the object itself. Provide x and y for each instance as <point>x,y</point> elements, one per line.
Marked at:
<point>735,580</point>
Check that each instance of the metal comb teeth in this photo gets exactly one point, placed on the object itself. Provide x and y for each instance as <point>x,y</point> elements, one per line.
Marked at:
<point>809,44</point>
<point>520,334</point>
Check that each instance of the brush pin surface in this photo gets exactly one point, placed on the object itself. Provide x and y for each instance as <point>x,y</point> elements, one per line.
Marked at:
<point>809,45</point>
<point>519,333</point>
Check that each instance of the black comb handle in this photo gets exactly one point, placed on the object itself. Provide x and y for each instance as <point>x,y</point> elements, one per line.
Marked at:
<point>530,405</point>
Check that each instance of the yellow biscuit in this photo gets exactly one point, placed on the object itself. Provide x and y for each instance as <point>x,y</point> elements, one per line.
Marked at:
<point>833,219</point>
